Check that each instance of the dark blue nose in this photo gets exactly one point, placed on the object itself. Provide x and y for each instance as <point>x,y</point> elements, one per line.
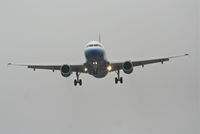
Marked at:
<point>94,54</point>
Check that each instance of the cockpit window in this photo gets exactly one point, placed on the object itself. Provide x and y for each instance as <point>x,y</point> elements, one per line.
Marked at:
<point>97,45</point>
<point>94,45</point>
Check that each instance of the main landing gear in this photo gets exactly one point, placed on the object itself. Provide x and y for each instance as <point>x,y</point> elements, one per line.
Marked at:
<point>118,78</point>
<point>77,81</point>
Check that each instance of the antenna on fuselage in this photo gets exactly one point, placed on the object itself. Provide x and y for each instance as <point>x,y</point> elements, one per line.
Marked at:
<point>100,38</point>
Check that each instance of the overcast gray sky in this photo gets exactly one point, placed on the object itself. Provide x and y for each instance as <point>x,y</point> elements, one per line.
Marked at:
<point>153,100</point>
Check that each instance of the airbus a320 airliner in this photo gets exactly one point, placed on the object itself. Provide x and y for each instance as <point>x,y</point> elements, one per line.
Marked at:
<point>97,64</point>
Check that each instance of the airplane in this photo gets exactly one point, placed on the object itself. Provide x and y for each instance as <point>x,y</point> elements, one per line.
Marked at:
<point>97,64</point>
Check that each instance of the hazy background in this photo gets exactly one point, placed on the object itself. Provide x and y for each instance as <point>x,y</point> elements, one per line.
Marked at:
<point>153,100</point>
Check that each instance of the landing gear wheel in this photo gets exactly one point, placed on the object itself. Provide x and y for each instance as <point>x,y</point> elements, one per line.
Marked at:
<point>80,82</point>
<point>77,81</point>
<point>118,78</point>
<point>121,80</point>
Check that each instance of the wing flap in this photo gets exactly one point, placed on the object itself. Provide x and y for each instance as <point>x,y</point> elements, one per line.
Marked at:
<point>47,67</point>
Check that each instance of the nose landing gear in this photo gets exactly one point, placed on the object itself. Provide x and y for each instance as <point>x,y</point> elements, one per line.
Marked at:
<point>118,78</point>
<point>77,81</point>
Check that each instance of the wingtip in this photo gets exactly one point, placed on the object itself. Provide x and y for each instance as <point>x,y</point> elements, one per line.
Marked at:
<point>9,64</point>
<point>179,56</point>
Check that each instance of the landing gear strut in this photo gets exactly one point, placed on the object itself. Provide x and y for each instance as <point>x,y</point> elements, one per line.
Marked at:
<point>118,78</point>
<point>77,81</point>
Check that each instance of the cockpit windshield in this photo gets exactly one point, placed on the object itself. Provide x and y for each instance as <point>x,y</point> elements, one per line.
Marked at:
<point>94,45</point>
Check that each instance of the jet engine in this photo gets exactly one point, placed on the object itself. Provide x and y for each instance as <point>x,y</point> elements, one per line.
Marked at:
<point>127,67</point>
<point>66,70</point>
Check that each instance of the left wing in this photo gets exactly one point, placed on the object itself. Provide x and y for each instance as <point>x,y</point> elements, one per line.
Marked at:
<point>75,68</point>
<point>118,66</point>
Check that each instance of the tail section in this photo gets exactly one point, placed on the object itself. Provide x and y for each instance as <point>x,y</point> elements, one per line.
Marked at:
<point>100,38</point>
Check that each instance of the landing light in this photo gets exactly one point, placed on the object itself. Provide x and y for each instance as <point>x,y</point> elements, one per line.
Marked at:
<point>85,69</point>
<point>109,68</point>
<point>94,63</point>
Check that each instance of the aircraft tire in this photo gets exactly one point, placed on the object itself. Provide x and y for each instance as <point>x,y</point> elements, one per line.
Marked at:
<point>75,82</point>
<point>116,80</point>
<point>121,80</point>
<point>80,82</point>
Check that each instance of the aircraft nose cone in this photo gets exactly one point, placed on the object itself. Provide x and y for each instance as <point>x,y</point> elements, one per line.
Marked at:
<point>94,53</point>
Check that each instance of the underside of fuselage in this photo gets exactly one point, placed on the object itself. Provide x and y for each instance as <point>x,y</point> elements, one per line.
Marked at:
<point>98,73</point>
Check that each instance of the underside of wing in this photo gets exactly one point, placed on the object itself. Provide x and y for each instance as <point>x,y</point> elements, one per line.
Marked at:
<point>34,67</point>
<point>127,64</point>
<point>73,68</point>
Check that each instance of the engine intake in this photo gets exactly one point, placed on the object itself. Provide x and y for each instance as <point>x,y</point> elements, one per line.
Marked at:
<point>127,67</point>
<point>66,70</point>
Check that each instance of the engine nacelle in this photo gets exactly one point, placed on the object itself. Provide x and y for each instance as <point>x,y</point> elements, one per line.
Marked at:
<point>66,70</point>
<point>127,67</point>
